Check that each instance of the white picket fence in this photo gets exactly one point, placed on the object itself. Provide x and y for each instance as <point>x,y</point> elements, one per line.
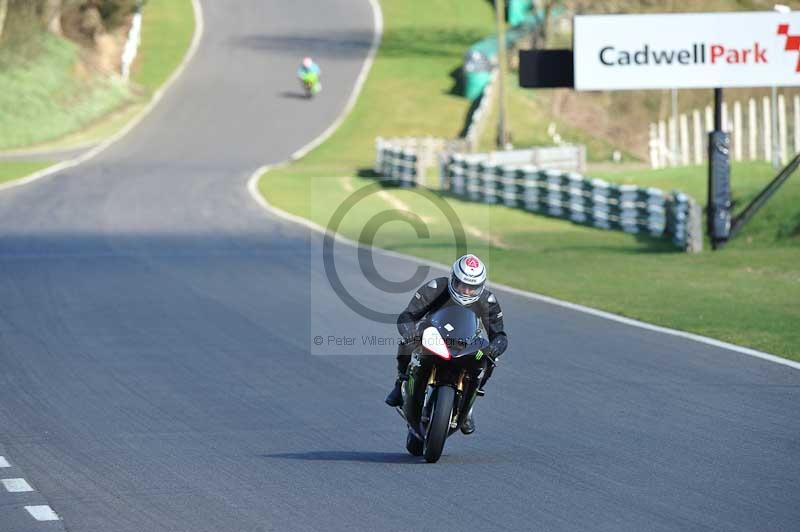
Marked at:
<point>750,125</point>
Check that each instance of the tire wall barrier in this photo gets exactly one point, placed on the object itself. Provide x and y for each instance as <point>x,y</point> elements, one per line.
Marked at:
<point>675,217</point>
<point>402,161</point>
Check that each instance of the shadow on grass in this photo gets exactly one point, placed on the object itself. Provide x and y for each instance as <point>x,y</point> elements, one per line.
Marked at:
<point>407,42</point>
<point>368,173</point>
<point>473,106</point>
<point>347,456</point>
<point>457,75</point>
<point>427,41</point>
<point>647,246</point>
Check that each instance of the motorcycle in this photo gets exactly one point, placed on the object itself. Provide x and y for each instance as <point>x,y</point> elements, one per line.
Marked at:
<point>446,368</point>
<point>311,84</point>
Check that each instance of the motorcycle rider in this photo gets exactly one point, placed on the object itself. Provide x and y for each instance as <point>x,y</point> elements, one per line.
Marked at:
<point>309,69</point>
<point>466,286</point>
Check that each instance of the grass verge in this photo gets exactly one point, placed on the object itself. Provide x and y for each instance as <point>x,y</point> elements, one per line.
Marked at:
<point>167,30</point>
<point>9,171</point>
<point>43,98</point>
<point>746,294</point>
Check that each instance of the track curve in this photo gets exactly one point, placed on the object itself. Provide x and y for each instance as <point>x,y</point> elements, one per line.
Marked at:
<point>157,370</point>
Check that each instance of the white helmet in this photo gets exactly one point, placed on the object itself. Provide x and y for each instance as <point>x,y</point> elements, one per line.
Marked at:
<point>467,279</point>
<point>307,62</point>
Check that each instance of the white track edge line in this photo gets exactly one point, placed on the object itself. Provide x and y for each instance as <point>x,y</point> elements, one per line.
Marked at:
<point>159,94</point>
<point>252,188</point>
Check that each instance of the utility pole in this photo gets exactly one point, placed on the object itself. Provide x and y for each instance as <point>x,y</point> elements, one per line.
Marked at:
<point>502,126</point>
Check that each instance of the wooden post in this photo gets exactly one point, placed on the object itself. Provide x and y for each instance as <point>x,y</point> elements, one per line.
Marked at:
<point>782,135</point>
<point>698,137</point>
<point>737,131</point>
<point>767,129</point>
<point>502,58</point>
<point>709,119</point>
<point>684,140</point>
<point>752,129</point>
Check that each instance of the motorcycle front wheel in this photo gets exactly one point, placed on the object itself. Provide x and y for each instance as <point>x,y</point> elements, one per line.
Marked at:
<point>414,445</point>
<point>439,425</point>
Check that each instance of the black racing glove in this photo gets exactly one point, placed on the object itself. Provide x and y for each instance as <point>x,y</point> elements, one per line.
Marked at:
<point>497,347</point>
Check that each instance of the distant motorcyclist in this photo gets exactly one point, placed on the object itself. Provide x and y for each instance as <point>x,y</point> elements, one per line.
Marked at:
<point>464,287</point>
<point>310,76</point>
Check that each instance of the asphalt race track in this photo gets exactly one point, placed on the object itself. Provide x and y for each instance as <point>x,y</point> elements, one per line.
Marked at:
<point>158,373</point>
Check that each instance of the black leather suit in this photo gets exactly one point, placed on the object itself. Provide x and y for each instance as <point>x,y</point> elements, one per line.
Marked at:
<point>430,298</point>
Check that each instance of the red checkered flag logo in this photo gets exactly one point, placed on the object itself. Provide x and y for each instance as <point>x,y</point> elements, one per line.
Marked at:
<point>792,42</point>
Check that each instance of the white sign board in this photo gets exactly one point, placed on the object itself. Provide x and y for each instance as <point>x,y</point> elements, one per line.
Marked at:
<point>687,50</point>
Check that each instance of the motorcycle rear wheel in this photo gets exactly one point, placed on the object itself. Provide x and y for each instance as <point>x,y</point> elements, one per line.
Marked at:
<point>439,425</point>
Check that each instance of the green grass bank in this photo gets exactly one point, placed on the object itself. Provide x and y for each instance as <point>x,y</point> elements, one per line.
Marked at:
<point>46,105</point>
<point>42,97</point>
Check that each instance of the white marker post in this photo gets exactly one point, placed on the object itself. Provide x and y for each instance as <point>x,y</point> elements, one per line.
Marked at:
<point>684,140</point>
<point>752,129</point>
<point>796,112</point>
<point>698,137</point>
<point>767,128</point>
<point>737,131</point>
<point>673,142</point>
<point>782,135</point>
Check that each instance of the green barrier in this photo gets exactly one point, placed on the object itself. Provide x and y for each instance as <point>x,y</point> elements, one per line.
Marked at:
<point>518,10</point>
<point>475,83</point>
<point>482,56</point>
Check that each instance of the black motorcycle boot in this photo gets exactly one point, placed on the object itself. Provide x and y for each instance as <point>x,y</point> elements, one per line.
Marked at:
<point>395,397</point>
<point>468,425</point>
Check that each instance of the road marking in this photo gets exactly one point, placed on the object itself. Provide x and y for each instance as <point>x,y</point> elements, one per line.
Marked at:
<point>16,485</point>
<point>347,183</point>
<point>4,462</point>
<point>486,237</point>
<point>398,204</point>
<point>42,513</point>
<point>64,165</point>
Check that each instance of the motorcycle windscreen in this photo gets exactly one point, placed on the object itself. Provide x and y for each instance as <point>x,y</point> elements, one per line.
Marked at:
<point>457,325</point>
